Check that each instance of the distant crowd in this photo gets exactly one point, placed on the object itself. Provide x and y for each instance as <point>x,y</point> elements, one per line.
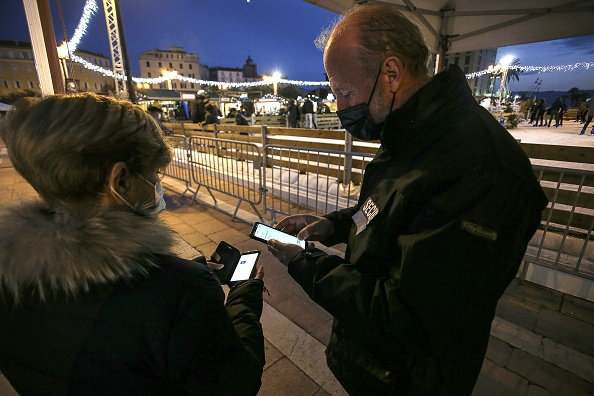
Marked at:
<point>204,112</point>
<point>541,115</point>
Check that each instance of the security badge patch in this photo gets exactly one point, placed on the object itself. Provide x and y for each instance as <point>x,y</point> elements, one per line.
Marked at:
<point>367,212</point>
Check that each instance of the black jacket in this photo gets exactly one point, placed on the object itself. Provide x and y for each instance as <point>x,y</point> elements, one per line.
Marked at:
<point>307,107</point>
<point>446,210</point>
<point>104,309</point>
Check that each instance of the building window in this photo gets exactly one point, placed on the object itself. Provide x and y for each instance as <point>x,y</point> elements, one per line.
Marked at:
<point>86,86</point>
<point>192,85</point>
<point>5,84</point>
<point>467,60</point>
<point>95,85</point>
<point>17,84</point>
<point>31,85</point>
<point>14,67</point>
<point>148,64</point>
<point>25,55</point>
<point>174,85</point>
<point>160,65</point>
<point>11,54</point>
<point>149,75</point>
<point>181,65</point>
<point>170,65</point>
<point>28,68</point>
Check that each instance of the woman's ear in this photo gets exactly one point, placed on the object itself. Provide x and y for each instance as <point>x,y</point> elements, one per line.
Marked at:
<point>119,178</point>
<point>393,68</point>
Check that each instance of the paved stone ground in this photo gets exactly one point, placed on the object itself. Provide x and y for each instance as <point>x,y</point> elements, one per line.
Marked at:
<point>542,341</point>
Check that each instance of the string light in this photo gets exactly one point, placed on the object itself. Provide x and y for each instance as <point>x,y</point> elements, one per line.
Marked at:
<point>91,8</point>
<point>540,69</point>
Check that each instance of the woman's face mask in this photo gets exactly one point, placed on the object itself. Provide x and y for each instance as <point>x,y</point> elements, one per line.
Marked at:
<point>357,120</point>
<point>160,204</point>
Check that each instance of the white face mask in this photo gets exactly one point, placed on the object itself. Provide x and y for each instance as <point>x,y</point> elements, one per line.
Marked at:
<point>159,196</point>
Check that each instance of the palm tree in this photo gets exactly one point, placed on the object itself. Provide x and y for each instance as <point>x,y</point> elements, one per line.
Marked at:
<point>512,72</point>
<point>507,73</point>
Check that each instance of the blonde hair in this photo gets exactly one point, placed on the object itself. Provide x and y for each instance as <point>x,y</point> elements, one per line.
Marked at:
<point>66,145</point>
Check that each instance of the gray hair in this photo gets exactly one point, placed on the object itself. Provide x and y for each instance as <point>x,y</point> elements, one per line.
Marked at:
<point>382,31</point>
<point>66,145</point>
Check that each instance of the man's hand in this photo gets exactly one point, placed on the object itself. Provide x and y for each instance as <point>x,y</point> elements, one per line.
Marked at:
<point>283,252</point>
<point>308,227</point>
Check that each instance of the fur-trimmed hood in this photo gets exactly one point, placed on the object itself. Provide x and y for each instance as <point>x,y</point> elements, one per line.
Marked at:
<point>52,250</point>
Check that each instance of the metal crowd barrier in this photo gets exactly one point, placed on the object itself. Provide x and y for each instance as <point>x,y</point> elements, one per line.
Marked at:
<point>308,180</point>
<point>563,240</point>
<point>179,168</point>
<point>295,180</point>
<point>229,167</point>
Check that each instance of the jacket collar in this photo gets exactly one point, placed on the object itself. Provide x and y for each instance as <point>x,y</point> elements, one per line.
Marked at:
<point>423,118</point>
<point>52,251</point>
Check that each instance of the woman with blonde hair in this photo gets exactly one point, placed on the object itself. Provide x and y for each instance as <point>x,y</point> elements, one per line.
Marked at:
<point>92,300</point>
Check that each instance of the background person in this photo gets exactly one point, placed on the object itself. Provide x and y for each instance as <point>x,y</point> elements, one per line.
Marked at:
<point>588,117</point>
<point>197,110</point>
<point>212,115</point>
<point>308,110</point>
<point>240,118</point>
<point>445,213</point>
<point>157,114</point>
<point>92,299</point>
<point>293,114</point>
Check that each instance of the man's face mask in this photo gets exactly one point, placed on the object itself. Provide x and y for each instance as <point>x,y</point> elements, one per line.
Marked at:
<point>357,119</point>
<point>159,196</point>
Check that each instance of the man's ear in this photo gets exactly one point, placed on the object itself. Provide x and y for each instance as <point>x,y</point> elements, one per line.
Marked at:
<point>394,69</point>
<point>119,178</point>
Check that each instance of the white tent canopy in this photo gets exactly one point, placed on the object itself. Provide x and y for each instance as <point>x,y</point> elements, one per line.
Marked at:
<point>452,26</point>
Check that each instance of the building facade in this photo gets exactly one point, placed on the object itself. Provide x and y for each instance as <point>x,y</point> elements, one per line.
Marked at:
<point>247,73</point>
<point>156,63</point>
<point>250,70</point>
<point>18,73</point>
<point>474,61</point>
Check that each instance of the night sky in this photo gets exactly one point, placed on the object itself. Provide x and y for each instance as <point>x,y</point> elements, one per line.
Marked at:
<point>277,34</point>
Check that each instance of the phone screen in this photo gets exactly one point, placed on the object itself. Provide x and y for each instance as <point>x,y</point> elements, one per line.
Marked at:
<point>245,267</point>
<point>264,232</point>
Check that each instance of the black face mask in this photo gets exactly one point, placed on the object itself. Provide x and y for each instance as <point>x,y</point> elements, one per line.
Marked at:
<point>357,119</point>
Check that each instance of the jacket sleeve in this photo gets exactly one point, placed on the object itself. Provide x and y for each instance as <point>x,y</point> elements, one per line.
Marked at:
<point>342,220</point>
<point>454,264</point>
<point>218,350</point>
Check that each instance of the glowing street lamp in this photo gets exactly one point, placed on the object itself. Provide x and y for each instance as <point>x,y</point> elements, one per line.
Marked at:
<point>275,78</point>
<point>169,75</point>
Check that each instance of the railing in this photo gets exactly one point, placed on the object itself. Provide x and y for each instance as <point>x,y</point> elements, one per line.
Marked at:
<point>307,180</point>
<point>563,240</point>
<point>285,180</point>
<point>227,166</point>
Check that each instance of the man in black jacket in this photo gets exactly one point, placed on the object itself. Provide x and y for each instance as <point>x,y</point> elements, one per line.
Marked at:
<point>445,213</point>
